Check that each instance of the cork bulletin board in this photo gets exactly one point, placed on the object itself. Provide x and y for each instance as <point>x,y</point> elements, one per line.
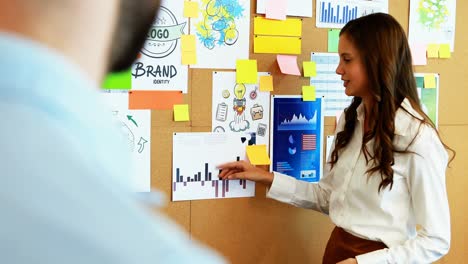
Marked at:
<point>259,230</point>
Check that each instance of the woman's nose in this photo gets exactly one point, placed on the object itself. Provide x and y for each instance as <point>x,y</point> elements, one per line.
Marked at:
<point>339,69</point>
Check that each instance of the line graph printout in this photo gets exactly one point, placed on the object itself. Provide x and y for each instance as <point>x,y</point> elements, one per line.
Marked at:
<point>195,157</point>
<point>329,84</point>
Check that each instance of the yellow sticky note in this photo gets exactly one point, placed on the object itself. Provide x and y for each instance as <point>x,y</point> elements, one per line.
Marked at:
<point>444,51</point>
<point>189,57</point>
<point>266,83</point>
<point>433,51</point>
<point>181,112</point>
<point>246,71</point>
<point>191,9</point>
<point>429,81</point>
<point>188,43</point>
<point>310,68</point>
<point>277,45</point>
<point>291,27</point>
<point>308,93</point>
<point>258,155</point>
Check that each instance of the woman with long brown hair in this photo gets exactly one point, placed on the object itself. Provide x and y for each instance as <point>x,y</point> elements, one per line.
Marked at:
<point>386,173</point>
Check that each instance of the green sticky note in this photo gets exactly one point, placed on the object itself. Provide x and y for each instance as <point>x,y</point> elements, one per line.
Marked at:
<point>429,81</point>
<point>420,82</point>
<point>181,112</point>
<point>258,155</point>
<point>308,93</point>
<point>444,51</point>
<point>120,80</point>
<point>310,68</point>
<point>333,39</point>
<point>246,71</point>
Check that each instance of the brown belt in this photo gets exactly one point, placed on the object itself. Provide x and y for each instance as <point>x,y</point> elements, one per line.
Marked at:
<point>342,245</point>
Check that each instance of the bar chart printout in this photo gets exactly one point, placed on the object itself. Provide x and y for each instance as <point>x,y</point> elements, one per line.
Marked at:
<point>336,13</point>
<point>195,157</point>
<point>331,14</point>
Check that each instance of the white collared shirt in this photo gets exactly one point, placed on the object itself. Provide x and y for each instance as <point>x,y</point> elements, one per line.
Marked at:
<point>351,198</point>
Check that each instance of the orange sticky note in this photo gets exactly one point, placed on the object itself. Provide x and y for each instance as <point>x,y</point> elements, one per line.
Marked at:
<point>246,71</point>
<point>433,51</point>
<point>444,51</point>
<point>429,81</point>
<point>189,57</point>
<point>191,9</point>
<point>181,113</point>
<point>266,83</point>
<point>308,93</point>
<point>258,155</point>
<point>188,43</point>
<point>310,68</point>
<point>288,64</point>
<point>159,100</point>
<point>418,52</point>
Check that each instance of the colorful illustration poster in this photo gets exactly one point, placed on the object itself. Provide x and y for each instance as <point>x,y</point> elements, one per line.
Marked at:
<point>195,157</point>
<point>159,66</point>
<point>336,13</point>
<point>297,137</point>
<point>429,97</point>
<point>240,108</point>
<point>432,22</point>
<point>222,30</point>
<point>136,127</point>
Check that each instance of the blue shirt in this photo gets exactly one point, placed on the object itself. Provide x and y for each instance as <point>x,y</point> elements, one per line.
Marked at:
<point>64,172</point>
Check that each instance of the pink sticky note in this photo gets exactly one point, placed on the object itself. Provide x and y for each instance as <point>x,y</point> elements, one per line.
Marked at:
<point>418,52</point>
<point>276,9</point>
<point>288,64</point>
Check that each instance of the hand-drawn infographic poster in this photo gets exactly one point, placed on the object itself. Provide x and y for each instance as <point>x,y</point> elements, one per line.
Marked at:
<point>195,157</point>
<point>222,30</point>
<point>240,107</point>
<point>297,137</point>
<point>432,22</point>
<point>159,66</point>
<point>136,127</point>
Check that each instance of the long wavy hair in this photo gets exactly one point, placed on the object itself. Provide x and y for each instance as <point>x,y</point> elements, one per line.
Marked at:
<point>386,55</point>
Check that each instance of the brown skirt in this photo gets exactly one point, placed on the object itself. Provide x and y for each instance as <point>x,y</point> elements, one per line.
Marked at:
<point>342,245</point>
